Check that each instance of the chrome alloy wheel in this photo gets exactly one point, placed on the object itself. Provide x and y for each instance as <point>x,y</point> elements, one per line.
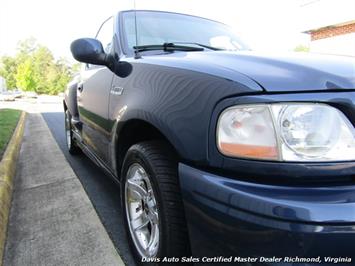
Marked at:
<point>67,130</point>
<point>141,211</point>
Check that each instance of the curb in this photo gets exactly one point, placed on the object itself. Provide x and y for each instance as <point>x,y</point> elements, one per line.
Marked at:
<point>7,173</point>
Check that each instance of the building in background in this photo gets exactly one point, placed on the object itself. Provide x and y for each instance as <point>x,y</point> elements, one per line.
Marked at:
<point>2,85</point>
<point>331,25</point>
<point>334,39</point>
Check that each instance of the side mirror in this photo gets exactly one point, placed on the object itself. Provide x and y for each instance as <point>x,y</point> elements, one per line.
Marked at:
<point>88,50</point>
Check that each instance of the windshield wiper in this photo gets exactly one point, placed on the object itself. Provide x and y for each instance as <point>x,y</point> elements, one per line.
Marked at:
<point>167,47</point>
<point>202,45</point>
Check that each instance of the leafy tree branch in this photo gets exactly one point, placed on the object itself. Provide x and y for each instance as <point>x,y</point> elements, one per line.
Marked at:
<point>34,68</point>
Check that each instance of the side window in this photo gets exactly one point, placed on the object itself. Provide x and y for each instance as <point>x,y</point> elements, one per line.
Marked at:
<point>105,34</point>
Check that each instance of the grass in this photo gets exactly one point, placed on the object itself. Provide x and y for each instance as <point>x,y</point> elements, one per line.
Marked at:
<point>8,122</point>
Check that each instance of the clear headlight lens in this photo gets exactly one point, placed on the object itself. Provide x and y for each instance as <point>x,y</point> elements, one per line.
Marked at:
<point>289,132</point>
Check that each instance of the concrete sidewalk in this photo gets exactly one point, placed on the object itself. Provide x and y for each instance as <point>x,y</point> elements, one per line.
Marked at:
<point>52,221</point>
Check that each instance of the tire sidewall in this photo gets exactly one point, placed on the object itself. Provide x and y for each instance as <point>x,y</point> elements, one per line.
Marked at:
<point>136,156</point>
<point>72,148</point>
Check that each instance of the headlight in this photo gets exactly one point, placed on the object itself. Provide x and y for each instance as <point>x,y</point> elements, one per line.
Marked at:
<point>286,132</point>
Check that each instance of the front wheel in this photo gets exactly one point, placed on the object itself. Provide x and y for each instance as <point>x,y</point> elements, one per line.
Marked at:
<point>71,145</point>
<point>153,209</point>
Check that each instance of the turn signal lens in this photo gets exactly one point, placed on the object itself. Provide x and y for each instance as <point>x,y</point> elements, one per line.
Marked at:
<point>247,132</point>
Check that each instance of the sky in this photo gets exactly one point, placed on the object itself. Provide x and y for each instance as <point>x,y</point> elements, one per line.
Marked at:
<point>271,25</point>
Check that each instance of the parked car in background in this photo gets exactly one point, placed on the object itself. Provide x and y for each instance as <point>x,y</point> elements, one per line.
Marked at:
<point>11,95</point>
<point>218,150</point>
<point>7,96</point>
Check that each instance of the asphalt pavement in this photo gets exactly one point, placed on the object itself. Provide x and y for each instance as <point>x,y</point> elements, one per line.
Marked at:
<point>102,191</point>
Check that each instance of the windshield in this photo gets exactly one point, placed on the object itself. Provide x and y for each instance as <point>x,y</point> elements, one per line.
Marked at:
<point>158,28</point>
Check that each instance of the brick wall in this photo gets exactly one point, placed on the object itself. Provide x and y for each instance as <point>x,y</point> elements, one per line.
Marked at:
<point>332,31</point>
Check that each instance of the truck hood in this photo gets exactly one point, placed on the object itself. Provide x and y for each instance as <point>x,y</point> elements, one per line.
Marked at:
<point>274,73</point>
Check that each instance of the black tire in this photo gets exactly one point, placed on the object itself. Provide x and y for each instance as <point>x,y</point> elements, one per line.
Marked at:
<point>160,164</point>
<point>71,144</point>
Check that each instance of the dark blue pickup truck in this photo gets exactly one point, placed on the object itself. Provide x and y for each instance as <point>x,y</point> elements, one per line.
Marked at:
<point>218,150</point>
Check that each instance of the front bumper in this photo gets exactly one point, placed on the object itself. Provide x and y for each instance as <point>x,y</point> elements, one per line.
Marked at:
<point>227,217</point>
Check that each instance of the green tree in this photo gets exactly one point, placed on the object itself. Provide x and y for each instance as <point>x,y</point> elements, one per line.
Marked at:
<point>8,70</point>
<point>44,69</point>
<point>63,74</point>
<point>24,76</point>
<point>34,68</point>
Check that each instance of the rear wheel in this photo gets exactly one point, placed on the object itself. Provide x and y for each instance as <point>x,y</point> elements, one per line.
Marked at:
<point>153,208</point>
<point>71,145</point>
